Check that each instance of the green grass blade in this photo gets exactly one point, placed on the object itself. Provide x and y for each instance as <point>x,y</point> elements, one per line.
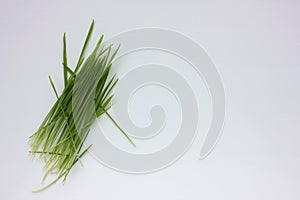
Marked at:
<point>65,60</point>
<point>117,125</point>
<point>88,37</point>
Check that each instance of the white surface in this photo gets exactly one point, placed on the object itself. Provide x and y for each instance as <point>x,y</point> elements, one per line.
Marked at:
<point>255,46</point>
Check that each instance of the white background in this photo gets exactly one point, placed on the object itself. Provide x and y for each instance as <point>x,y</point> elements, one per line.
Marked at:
<point>255,46</point>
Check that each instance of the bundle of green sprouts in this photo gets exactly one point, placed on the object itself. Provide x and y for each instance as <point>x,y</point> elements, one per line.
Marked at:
<point>85,97</point>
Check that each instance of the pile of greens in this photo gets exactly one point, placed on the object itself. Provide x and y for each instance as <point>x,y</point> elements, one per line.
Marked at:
<point>59,141</point>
